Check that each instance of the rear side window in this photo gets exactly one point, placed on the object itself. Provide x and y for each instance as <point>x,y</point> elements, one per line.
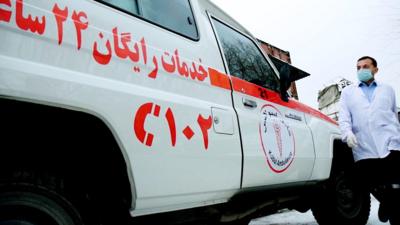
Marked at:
<point>174,15</point>
<point>244,58</point>
<point>130,6</point>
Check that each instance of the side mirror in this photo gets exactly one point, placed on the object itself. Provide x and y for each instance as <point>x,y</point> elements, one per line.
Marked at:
<point>285,80</point>
<point>288,74</point>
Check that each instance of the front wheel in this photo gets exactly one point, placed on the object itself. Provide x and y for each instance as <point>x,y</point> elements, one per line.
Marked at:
<point>395,208</point>
<point>238,222</point>
<point>341,203</point>
<point>395,220</point>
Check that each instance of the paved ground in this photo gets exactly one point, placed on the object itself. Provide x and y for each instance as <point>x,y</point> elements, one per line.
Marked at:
<point>296,218</point>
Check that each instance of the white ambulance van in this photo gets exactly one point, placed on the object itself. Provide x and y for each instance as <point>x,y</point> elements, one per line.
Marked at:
<point>155,111</point>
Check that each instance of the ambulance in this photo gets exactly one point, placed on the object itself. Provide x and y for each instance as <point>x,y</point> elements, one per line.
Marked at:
<point>154,111</point>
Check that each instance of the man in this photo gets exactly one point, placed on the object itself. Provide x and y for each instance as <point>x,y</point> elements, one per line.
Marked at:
<point>369,124</point>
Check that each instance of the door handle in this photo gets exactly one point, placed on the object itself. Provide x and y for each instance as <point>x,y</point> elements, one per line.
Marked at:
<point>249,103</point>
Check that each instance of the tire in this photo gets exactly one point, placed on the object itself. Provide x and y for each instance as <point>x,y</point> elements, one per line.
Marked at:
<point>341,204</point>
<point>32,199</point>
<point>395,220</point>
<point>242,221</point>
<point>236,222</point>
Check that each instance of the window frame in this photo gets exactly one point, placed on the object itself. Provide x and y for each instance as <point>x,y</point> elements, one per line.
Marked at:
<point>139,16</point>
<point>222,53</point>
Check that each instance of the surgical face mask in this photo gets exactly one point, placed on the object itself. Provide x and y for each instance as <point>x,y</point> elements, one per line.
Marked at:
<point>364,75</point>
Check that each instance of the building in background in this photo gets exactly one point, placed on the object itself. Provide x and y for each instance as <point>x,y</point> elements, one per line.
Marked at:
<point>328,98</point>
<point>281,57</point>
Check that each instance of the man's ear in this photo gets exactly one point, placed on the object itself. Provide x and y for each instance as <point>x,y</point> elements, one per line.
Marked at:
<point>375,70</point>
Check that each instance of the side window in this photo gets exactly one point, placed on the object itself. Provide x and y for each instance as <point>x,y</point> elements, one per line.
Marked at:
<point>244,58</point>
<point>175,15</point>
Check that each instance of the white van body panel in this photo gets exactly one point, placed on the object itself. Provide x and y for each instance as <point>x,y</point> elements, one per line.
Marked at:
<point>177,127</point>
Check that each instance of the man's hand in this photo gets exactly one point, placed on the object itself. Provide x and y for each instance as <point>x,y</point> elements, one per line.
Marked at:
<point>351,140</point>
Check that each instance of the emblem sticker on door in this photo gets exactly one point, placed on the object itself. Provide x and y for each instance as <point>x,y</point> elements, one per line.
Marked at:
<point>277,139</point>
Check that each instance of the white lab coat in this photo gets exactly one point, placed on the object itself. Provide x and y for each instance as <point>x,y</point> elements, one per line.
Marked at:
<point>375,124</point>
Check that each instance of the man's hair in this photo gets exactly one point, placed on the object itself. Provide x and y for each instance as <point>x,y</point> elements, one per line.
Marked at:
<point>369,57</point>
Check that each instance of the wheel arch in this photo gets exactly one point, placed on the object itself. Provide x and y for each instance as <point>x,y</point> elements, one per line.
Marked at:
<point>34,130</point>
<point>342,156</point>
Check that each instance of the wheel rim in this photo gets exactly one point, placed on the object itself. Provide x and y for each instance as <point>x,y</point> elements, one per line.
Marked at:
<point>349,201</point>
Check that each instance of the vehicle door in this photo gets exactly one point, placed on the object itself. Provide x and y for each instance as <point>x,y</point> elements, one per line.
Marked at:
<point>180,157</point>
<point>277,144</point>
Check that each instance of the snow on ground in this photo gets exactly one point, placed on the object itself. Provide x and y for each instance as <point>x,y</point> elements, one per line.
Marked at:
<point>297,218</point>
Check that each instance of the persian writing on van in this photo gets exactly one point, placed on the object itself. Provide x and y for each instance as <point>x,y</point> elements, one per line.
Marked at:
<point>120,45</point>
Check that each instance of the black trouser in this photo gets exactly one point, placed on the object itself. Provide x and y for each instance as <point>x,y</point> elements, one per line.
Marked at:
<point>374,174</point>
<point>368,173</point>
